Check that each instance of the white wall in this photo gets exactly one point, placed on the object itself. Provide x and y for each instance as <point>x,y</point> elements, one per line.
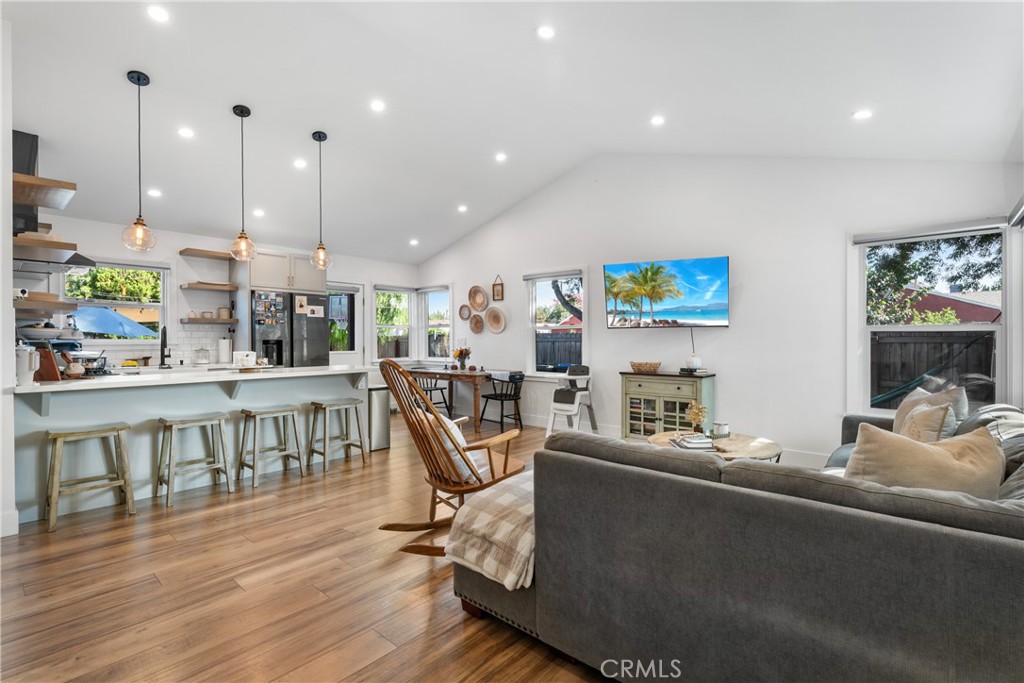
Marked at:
<point>783,223</point>
<point>8,512</point>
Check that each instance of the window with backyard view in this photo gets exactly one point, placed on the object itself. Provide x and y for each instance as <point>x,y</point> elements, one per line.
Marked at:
<point>934,309</point>
<point>557,322</point>
<point>117,302</point>
<point>340,311</point>
<point>392,315</point>
<point>438,308</point>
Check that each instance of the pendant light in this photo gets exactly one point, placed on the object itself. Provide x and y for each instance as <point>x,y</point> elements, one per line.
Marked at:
<point>137,236</point>
<point>242,249</point>
<point>320,259</point>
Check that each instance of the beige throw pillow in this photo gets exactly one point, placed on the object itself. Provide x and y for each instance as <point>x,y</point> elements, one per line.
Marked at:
<point>928,424</point>
<point>971,463</point>
<point>956,397</point>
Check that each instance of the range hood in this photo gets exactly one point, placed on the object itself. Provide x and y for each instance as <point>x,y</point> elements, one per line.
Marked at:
<point>33,254</point>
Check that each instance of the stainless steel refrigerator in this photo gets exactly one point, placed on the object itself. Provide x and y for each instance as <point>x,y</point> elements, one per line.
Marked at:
<point>290,330</point>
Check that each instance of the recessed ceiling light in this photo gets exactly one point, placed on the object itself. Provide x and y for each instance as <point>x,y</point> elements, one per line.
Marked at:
<point>157,13</point>
<point>463,208</point>
<point>545,32</point>
<point>299,163</point>
<point>500,157</point>
<point>153,192</point>
<point>186,132</point>
<point>259,213</point>
<point>657,120</point>
<point>378,105</point>
<point>413,242</point>
<point>863,114</point>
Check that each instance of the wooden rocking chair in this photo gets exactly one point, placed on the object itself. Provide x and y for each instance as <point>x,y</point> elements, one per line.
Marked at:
<point>451,471</point>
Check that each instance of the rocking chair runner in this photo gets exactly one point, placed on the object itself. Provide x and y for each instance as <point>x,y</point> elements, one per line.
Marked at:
<point>451,471</point>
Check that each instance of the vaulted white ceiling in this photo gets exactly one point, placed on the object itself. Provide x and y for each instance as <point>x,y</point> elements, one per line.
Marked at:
<point>463,81</point>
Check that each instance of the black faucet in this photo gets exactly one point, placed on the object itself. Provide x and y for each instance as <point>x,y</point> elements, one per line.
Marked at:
<point>164,365</point>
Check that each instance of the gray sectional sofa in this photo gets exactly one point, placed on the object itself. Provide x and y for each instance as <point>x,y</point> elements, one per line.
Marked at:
<point>653,564</point>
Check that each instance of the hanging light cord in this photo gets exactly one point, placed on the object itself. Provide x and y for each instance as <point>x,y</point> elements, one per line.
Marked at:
<point>320,148</point>
<point>241,124</point>
<point>139,119</point>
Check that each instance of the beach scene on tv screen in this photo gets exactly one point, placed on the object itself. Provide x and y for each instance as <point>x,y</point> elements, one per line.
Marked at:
<point>680,293</point>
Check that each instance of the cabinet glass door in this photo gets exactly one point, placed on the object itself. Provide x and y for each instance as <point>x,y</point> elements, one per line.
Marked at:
<point>643,416</point>
<point>673,415</point>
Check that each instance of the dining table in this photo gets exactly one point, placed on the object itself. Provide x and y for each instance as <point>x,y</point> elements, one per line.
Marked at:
<point>476,378</point>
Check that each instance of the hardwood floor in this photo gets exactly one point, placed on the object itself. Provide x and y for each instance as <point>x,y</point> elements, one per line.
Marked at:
<point>291,582</point>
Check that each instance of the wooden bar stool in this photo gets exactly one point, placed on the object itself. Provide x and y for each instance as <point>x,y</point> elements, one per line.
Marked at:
<point>280,417</point>
<point>322,412</point>
<point>216,461</point>
<point>121,477</point>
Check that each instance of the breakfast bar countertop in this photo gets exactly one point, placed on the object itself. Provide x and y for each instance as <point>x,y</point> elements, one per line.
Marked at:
<point>187,376</point>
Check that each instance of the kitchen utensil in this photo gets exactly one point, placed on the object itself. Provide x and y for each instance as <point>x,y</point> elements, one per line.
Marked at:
<point>201,357</point>
<point>207,315</point>
<point>223,312</point>
<point>73,369</point>
<point>26,364</point>
<point>37,333</point>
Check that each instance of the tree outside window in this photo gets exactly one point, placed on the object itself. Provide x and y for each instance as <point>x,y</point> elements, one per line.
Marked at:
<point>133,297</point>
<point>392,314</point>
<point>340,308</point>
<point>932,308</point>
<point>558,323</point>
<point>438,307</point>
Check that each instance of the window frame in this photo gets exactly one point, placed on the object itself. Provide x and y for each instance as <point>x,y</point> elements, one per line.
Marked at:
<point>162,307</point>
<point>529,283</point>
<point>858,356</point>
<point>423,326</point>
<point>411,304</point>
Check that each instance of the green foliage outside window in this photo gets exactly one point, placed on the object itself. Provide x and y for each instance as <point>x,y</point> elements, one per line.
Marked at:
<point>114,284</point>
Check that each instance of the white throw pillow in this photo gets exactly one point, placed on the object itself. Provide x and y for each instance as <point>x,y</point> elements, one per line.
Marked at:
<point>956,397</point>
<point>928,424</point>
<point>971,463</point>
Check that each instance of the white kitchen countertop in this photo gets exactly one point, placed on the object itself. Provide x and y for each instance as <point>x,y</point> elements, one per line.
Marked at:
<point>196,376</point>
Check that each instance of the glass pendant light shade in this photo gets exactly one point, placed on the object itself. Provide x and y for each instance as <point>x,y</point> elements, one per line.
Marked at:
<point>320,259</point>
<point>242,249</point>
<point>138,237</point>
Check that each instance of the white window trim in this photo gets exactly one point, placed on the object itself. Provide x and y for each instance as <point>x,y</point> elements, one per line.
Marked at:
<point>411,298</point>
<point>422,321</point>
<point>1009,337</point>
<point>531,327</point>
<point>165,311</point>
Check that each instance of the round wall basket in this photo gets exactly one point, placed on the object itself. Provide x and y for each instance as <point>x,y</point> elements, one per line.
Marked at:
<point>464,312</point>
<point>495,320</point>
<point>476,324</point>
<point>477,298</point>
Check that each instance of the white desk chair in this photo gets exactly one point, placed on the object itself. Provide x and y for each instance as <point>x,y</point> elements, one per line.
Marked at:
<point>571,396</point>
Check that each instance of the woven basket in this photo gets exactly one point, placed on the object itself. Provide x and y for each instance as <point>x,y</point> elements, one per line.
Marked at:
<point>644,368</point>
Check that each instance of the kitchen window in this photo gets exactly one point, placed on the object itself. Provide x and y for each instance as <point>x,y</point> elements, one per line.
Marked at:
<point>391,308</point>
<point>341,307</point>
<point>118,301</point>
<point>556,320</point>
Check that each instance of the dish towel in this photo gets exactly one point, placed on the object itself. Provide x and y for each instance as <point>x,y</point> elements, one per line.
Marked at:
<point>493,533</point>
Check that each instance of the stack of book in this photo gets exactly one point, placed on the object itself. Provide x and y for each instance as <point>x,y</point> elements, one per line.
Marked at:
<point>693,442</point>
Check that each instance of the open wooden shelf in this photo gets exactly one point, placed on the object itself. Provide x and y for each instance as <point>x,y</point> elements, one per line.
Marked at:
<point>206,253</point>
<point>43,192</point>
<point>209,286</point>
<point>209,321</point>
<point>40,308</point>
<point>30,247</point>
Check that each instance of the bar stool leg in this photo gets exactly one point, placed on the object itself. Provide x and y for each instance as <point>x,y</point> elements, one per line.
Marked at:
<point>298,444</point>
<point>242,447</point>
<point>53,494</point>
<point>325,427</point>
<point>256,452</point>
<point>312,441</point>
<point>224,456</point>
<point>169,439</point>
<point>161,469</point>
<point>124,468</point>
<point>362,443</point>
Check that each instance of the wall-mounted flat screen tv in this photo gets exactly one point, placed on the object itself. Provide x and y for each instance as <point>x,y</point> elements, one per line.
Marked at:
<point>681,293</point>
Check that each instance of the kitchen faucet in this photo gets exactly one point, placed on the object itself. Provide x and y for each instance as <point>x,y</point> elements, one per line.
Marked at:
<point>164,350</point>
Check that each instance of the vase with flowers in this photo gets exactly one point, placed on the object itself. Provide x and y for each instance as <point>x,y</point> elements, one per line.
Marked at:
<point>697,413</point>
<point>462,355</point>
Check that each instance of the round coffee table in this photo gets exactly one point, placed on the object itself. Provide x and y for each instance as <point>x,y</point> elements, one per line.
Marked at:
<point>732,447</point>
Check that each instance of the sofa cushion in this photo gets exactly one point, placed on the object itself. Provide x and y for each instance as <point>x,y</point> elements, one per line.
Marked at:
<point>928,424</point>
<point>955,397</point>
<point>971,463</point>
<point>662,459</point>
<point>948,508</point>
<point>1013,488</point>
<point>1006,425</point>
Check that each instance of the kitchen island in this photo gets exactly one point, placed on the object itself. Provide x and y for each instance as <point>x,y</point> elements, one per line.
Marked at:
<point>143,398</point>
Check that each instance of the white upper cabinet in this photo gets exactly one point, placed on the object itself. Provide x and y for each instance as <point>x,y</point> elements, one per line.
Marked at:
<point>286,271</point>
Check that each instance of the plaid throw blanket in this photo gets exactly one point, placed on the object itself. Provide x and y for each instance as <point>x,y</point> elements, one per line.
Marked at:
<point>493,533</point>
